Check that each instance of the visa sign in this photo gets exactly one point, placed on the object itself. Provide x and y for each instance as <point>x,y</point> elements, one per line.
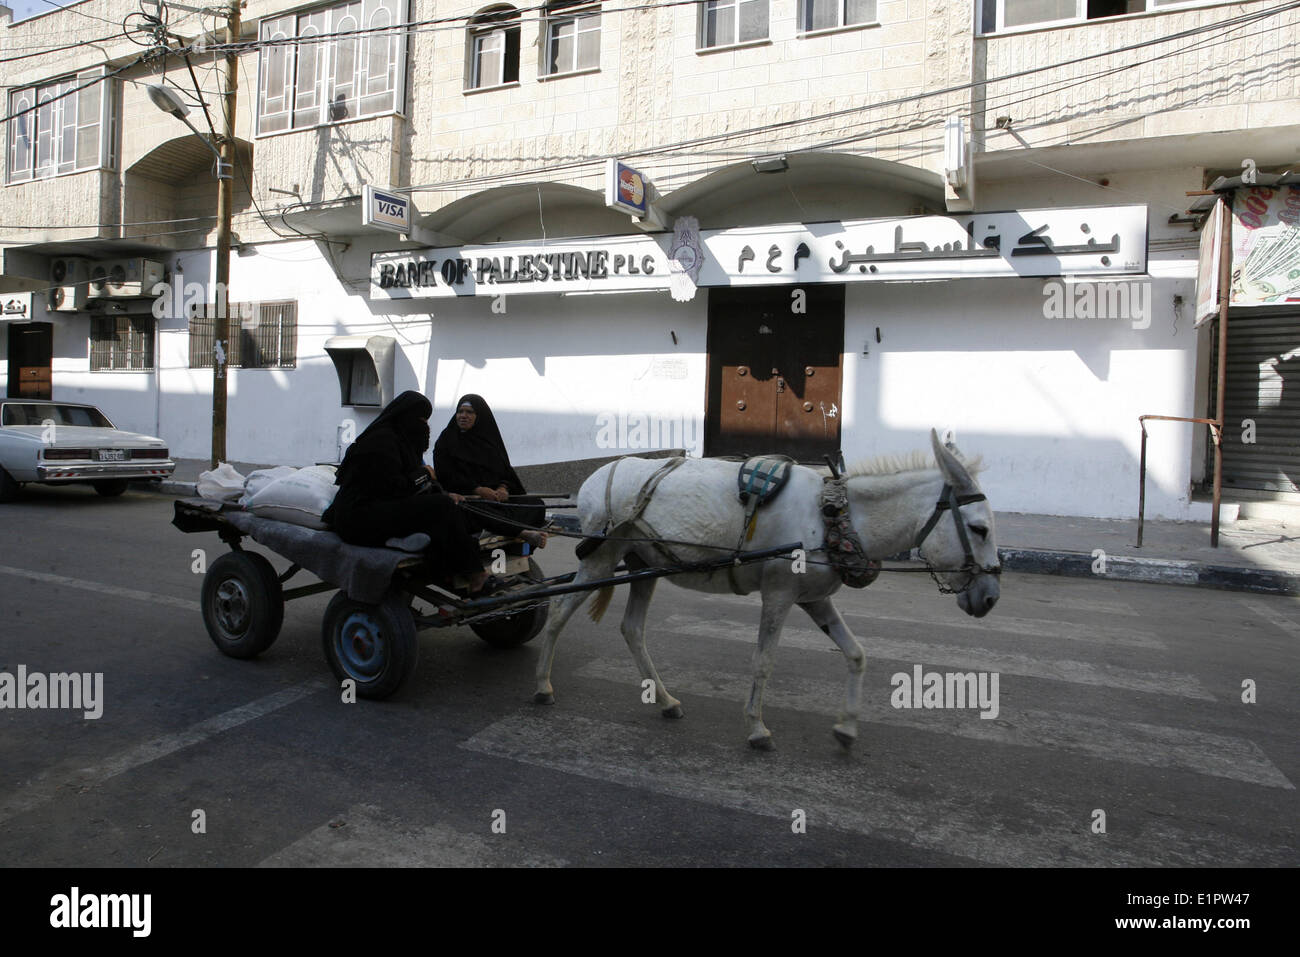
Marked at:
<point>385,210</point>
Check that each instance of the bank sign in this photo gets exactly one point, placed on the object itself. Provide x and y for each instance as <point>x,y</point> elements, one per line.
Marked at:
<point>1094,241</point>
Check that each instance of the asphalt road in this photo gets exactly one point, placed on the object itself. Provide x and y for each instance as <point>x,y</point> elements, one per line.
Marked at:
<point>1121,736</point>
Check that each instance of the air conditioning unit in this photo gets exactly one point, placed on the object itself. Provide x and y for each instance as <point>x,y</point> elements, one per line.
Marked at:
<point>124,278</point>
<point>69,284</point>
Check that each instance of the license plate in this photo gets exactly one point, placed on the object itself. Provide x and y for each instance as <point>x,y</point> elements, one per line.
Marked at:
<point>110,455</point>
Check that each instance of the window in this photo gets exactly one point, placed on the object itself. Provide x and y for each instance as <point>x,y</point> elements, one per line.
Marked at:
<point>572,37</point>
<point>494,48</point>
<point>829,14</point>
<point>263,335</point>
<point>121,342</point>
<point>55,130</point>
<point>999,15</point>
<point>305,82</point>
<point>727,22</point>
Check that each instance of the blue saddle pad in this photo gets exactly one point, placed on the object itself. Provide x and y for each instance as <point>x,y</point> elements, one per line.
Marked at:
<point>761,478</point>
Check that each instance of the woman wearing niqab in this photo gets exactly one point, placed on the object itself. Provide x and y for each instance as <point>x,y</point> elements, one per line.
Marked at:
<point>470,458</point>
<point>386,491</point>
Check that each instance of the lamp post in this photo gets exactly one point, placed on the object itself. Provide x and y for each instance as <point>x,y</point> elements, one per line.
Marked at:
<point>167,101</point>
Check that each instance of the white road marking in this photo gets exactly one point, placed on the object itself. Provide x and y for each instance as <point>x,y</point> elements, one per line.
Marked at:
<point>945,813</point>
<point>965,658</point>
<point>1269,609</point>
<point>1147,745</point>
<point>365,836</point>
<point>48,785</point>
<point>115,590</point>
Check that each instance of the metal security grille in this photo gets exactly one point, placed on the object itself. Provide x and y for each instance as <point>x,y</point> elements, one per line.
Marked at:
<point>1263,391</point>
<point>121,342</point>
<point>266,339</point>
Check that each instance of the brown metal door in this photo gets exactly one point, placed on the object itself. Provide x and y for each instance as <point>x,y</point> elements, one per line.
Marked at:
<point>774,373</point>
<point>31,354</point>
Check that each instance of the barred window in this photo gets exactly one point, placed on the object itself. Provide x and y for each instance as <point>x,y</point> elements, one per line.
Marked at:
<point>121,342</point>
<point>263,335</point>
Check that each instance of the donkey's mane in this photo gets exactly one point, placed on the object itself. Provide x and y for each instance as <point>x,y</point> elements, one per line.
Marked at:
<point>896,464</point>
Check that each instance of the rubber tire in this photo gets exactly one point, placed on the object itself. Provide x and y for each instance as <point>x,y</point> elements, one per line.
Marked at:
<point>249,631</point>
<point>517,629</point>
<point>8,487</point>
<point>110,488</point>
<point>393,648</point>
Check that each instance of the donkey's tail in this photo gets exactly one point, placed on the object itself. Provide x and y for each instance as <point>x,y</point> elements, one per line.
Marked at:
<point>601,604</point>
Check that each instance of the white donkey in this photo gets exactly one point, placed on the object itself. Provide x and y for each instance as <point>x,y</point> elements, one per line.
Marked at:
<point>891,504</point>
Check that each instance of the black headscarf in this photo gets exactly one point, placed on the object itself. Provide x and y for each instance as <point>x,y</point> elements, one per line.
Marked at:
<point>477,456</point>
<point>386,460</point>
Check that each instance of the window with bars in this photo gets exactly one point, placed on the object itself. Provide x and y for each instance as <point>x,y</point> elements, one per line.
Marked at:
<point>572,37</point>
<point>493,48</point>
<point>263,335</point>
<point>358,71</point>
<point>54,130</point>
<point>728,22</point>
<point>121,343</point>
<point>828,14</point>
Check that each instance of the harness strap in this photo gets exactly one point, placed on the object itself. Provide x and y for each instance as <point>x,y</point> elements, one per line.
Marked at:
<point>643,527</point>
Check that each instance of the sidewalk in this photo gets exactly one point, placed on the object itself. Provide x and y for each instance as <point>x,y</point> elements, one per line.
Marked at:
<point>1259,555</point>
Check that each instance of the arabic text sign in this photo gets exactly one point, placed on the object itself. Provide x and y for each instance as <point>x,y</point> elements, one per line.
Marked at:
<point>1093,241</point>
<point>1265,246</point>
<point>16,305</point>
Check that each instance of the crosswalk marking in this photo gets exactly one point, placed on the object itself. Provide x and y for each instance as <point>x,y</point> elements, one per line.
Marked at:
<point>366,836</point>
<point>114,590</point>
<point>963,657</point>
<point>1130,742</point>
<point>49,784</point>
<point>1275,610</point>
<point>947,815</point>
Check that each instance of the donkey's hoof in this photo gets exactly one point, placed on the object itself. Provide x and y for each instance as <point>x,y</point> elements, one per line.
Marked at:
<point>544,697</point>
<point>673,711</point>
<point>845,735</point>
<point>762,741</point>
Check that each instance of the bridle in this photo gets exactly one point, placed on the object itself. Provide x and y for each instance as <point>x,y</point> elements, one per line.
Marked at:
<point>950,501</point>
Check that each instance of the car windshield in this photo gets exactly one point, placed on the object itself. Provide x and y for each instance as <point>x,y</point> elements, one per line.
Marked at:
<point>23,413</point>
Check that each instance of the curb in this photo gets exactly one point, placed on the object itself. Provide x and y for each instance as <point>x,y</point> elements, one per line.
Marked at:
<point>1156,571</point>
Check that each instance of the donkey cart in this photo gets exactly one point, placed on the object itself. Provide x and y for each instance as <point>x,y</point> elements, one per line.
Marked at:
<point>369,630</point>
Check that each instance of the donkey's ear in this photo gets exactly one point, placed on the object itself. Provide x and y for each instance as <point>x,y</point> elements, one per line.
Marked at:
<point>954,473</point>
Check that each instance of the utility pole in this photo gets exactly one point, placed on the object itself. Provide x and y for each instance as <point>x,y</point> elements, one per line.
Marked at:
<point>225,187</point>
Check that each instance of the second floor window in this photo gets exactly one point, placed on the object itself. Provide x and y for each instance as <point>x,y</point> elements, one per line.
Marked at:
<point>999,15</point>
<point>64,126</point>
<point>572,37</point>
<point>829,14</point>
<point>494,48</point>
<point>728,22</point>
<point>306,81</point>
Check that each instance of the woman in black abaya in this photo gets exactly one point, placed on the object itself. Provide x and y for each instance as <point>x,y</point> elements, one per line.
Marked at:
<point>470,458</point>
<point>386,491</point>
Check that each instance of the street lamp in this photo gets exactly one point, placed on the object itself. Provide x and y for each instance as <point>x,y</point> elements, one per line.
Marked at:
<point>169,102</point>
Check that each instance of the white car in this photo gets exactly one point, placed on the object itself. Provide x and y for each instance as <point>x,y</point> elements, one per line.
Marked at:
<point>61,443</point>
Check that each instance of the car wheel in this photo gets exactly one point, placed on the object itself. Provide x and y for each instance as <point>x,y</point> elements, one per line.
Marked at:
<point>109,488</point>
<point>8,487</point>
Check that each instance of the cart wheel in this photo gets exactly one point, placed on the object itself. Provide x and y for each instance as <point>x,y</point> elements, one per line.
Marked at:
<point>515,630</point>
<point>373,645</point>
<point>110,488</point>
<point>242,603</point>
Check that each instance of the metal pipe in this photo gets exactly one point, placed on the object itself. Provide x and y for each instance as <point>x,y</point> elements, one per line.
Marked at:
<point>1221,375</point>
<point>1142,460</point>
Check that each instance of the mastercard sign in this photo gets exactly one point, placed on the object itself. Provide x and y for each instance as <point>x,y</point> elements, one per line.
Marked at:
<point>626,189</point>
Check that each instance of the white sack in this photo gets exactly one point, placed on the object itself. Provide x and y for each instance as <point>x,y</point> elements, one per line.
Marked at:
<point>262,478</point>
<point>299,498</point>
<point>222,484</point>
